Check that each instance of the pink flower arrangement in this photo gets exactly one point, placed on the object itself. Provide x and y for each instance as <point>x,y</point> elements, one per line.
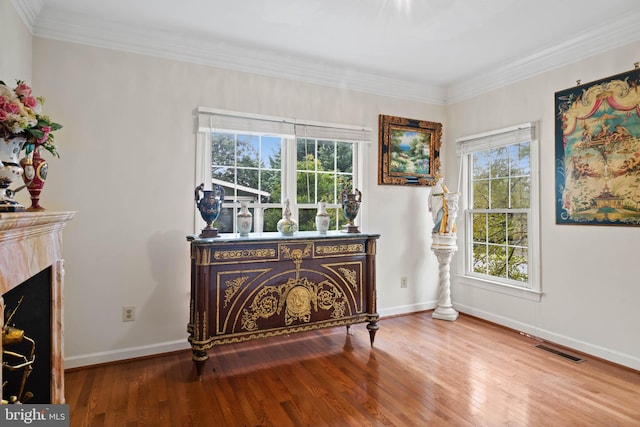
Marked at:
<point>21,114</point>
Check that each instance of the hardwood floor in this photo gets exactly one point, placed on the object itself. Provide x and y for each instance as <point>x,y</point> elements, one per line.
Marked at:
<point>420,372</point>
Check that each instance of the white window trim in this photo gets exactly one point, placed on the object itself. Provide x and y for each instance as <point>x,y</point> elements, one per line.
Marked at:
<point>505,136</point>
<point>203,153</point>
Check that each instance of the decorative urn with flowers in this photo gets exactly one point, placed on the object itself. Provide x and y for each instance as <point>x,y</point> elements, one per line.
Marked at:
<point>23,126</point>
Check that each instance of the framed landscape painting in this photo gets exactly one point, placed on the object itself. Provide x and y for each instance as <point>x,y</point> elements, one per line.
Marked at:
<point>597,145</point>
<point>408,151</point>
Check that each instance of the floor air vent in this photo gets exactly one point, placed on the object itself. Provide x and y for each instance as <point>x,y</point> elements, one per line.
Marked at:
<point>567,356</point>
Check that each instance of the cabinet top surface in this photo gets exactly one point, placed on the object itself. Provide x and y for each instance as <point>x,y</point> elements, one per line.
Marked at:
<point>270,236</point>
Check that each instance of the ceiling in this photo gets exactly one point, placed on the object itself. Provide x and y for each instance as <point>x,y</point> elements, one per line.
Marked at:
<point>436,51</point>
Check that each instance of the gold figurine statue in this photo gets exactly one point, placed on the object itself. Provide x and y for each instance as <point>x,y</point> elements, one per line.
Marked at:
<point>444,208</point>
<point>12,336</point>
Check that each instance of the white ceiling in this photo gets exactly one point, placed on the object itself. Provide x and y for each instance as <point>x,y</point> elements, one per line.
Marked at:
<point>436,51</point>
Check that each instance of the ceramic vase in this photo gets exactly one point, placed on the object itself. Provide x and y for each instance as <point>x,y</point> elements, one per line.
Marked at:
<point>35,173</point>
<point>350,209</point>
<point>244,220</point>
<point>10,170</point>
<point>323,219</point>
<point>210,206</point>
<point>287,225</point>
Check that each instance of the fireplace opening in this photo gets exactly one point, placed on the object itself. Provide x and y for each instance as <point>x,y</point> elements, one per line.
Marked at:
<point>26,359</point>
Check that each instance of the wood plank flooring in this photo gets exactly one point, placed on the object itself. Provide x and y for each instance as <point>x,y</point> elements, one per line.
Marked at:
<point>420,372</point>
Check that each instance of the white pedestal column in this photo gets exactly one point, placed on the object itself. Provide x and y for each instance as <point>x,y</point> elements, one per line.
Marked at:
<point>444,247</point>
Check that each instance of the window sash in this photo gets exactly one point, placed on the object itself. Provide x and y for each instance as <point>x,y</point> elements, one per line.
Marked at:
<point>465,148</point>
<point>288,190</point>
<point>471,242</point>
<point>212,120</point>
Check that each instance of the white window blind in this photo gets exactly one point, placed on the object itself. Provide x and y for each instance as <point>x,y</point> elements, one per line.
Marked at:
<point>494,139</point>
<point>332,132</point>
<point>220,120</point>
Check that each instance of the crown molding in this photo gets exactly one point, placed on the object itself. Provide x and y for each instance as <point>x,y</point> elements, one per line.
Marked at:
<point>193,49</point>
<point>28,11</point>
<point>623,31</point>
<point>86,30</point>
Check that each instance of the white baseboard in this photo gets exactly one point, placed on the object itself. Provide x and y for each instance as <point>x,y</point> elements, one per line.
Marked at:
<point>167,347</point>
<point>406,309</point>
<point>124,353</point>
<point>623,359</point>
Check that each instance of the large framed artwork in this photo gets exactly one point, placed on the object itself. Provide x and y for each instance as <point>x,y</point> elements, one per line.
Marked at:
<point>408,151</point>
<point>597,144</point>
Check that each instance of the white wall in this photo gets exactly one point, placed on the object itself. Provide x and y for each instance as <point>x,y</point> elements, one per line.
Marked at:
<point>128,166</point>
<point>15,46</point>
<point>589,276</point>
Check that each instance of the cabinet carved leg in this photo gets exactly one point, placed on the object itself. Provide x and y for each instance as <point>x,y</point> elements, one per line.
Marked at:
<point>200,358</point>
<point>373,327</point>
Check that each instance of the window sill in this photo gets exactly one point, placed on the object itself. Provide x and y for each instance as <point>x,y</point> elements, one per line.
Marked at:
<point>502,288</point>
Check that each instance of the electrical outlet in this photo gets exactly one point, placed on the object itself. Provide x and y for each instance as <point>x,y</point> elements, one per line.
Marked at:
<point>128,314</point>
<point>403,282</point>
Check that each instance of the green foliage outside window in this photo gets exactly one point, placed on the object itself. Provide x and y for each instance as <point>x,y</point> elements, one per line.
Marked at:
<point>323,170</point>
<point>501,190</point>
<point>251,166</point>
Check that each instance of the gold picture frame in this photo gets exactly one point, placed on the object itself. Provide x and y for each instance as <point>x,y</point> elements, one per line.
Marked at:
<point>408,151</point>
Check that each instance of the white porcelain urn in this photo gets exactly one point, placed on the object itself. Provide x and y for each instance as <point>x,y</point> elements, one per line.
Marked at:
<point>10,171</point>
<point>323,219</point>
<point>244,220</point>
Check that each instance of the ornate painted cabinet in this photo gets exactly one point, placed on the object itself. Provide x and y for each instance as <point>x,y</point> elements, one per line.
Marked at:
<point>243,288</point>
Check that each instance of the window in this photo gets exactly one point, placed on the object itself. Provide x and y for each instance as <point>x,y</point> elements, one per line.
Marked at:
<point>266,160</point>
<point>323,169</point>
<point>248,167</point>
<point>501,220</point>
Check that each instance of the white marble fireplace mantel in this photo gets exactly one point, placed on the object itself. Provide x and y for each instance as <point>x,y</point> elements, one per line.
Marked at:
<point>29,243</point>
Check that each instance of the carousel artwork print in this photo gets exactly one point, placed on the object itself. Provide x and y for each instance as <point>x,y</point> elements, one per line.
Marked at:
<point>597,133</point>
